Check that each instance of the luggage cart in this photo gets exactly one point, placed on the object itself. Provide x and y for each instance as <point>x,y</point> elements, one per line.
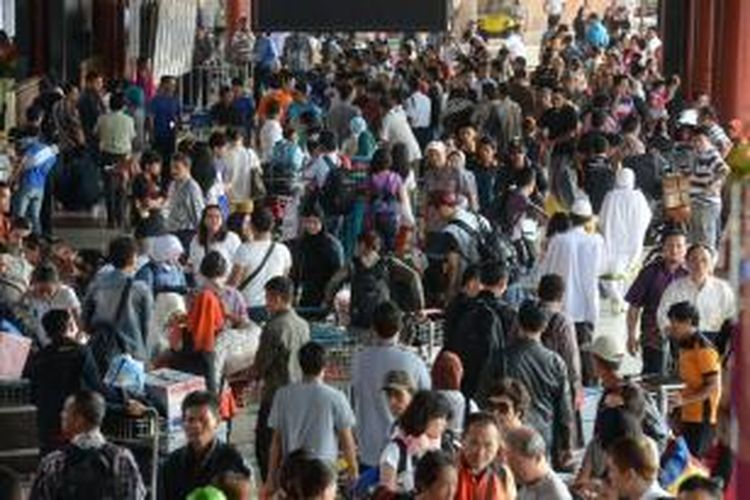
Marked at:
<point>143,433</point>
<point>661,389</point>
<point>424,331</point>
<point>19,444</point>
<point>339,367</point>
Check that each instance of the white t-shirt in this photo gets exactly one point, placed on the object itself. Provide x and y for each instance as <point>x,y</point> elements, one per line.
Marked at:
<point>270,133</point>
<point>64,299</point>
<point>391,456</point>
<point>418,108</point>
<point>249,256</point>
<point>226,248</point>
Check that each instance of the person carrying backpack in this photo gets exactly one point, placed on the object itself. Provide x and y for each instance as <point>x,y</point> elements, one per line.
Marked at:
<point>419,430</point>
<point>375,279</point>
<point>388,198</point>
<point>484,330</point>
<point>465,239</point>
<point>88,468</point>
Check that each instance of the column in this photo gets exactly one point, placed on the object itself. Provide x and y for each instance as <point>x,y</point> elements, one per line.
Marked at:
<point>732,68</point>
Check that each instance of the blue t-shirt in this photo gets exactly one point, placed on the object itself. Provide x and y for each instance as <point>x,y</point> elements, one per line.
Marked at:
<point>39,159</point>
<point>244,108</point>
<point>165,111</point>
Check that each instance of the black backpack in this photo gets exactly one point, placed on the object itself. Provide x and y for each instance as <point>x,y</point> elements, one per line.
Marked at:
<point>479,341</point>
<point>77,182</point>
<point>492,246</point>
<point>88,474</point>
<point>337,195</point>
<point>369,287</point>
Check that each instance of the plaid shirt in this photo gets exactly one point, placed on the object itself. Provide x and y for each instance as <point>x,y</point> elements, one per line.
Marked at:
<point>50,477</point>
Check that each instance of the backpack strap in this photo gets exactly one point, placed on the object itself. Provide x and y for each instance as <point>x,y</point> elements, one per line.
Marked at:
<point>258,269</point>
<point>403,455</point>
<point>124,299</point>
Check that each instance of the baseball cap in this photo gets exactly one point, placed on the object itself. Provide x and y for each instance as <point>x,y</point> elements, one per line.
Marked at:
<point>607,348</point>
<point>582,208</point>
<point>398,380</point>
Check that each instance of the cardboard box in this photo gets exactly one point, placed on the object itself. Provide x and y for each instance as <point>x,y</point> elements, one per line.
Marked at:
<point>14,350</point>
<point>167,388</point>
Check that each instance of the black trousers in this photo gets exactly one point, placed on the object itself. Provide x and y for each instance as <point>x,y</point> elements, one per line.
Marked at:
<point>584,334</point>
<point>263,437</point>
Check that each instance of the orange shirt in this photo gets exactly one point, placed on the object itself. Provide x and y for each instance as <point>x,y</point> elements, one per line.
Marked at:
<point>205,320</point>
<point>283,97</point>
<point>697,360</point>
<point>490,484</point>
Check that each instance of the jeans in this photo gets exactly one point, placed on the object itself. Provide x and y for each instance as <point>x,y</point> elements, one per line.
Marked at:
<point>28,204</point>
<point>705,223</point>
<point>699,437</point>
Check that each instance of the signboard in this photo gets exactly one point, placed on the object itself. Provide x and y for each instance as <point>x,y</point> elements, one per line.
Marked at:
<point>350,15</point>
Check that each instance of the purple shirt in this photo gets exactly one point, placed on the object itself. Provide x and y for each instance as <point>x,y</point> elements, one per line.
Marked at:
<point>646,292</point>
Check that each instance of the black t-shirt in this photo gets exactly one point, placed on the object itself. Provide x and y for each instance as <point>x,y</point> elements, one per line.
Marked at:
<point>559,121</point>
<point>183,472</point>
<point>599,179</point>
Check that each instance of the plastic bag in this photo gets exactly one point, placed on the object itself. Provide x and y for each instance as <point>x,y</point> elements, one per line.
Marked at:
<point>126,374</point>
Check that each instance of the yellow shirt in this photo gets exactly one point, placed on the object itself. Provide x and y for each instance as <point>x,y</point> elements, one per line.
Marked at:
<point>697,360</point>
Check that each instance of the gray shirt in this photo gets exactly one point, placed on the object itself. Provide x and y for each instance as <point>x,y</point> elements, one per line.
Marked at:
<point>374,420</point>
<point>185,204</point>
<point>310,415</point>
<point>550,487</point>
<point>102,300</point>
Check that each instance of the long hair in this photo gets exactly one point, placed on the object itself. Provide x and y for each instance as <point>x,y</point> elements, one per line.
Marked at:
<point>220,235</point>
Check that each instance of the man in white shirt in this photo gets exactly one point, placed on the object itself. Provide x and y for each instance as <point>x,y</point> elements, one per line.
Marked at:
<point>578,257</point>
<point>418,109</point>
<point>271,132</point>
<point>257,261</point>
<point>241,162</point>
<point>317,171</point>
<point>395,127</point>
<point>713,297</point>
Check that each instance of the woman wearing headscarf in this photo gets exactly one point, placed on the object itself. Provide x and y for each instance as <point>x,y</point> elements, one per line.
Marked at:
<point>163,272</point>
<point>361,144</point>
<point>447,374</point>
<point>624,220</point>
<point>440,178</point>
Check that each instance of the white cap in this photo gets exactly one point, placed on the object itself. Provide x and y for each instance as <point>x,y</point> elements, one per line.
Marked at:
<point>582,207</point>
<point>607,348</point>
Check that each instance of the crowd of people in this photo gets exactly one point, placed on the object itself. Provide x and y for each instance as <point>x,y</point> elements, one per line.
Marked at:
<point>352,184</point>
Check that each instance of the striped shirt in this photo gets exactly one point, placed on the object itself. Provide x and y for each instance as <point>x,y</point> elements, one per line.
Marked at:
<point>718,137</point>
<point>708,171</point>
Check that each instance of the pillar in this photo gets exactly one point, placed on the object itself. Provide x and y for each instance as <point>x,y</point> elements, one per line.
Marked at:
<point>703,32</point>
<point>732,69</point>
